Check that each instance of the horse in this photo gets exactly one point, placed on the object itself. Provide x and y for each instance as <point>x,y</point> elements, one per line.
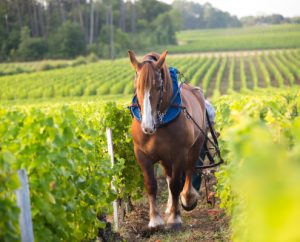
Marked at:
<point>175,146</point>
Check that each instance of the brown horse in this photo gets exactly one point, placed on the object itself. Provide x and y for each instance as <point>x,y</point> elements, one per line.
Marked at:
<point>175,146</point>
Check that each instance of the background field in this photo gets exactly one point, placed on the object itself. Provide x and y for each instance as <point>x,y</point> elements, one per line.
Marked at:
<point>258,37</point>
<point>216,74</point>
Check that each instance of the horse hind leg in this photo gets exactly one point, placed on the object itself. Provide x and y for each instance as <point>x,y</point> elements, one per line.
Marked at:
<point>189,195</point>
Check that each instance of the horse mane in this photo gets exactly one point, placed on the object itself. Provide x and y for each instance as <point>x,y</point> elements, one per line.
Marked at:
<point>147,74</point>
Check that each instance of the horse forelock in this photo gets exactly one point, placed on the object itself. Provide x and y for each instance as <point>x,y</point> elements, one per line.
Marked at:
<point>146,78</point>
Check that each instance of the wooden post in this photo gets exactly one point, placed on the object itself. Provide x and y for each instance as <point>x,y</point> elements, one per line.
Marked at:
<point>111,153</point>
<point>23,202</point>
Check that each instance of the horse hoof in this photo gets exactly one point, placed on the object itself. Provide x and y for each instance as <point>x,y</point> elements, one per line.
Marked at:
<point>188,208</point>
<point>156,222</point>
<point>174,223</point>
<point>175,227</point>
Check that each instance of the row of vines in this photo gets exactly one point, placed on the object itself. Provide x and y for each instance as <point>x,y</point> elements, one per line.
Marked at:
<point>64,151</point>
<point>259,186</point>
<point>216,75</point>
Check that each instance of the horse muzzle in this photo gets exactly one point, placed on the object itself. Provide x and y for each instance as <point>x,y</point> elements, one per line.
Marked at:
<point>148,125</point>
<point>149,131</point>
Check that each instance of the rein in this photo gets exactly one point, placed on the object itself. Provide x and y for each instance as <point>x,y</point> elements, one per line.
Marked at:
<point>214,143</point>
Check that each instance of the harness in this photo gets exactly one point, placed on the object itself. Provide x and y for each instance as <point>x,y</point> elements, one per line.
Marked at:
<point>172,112</point>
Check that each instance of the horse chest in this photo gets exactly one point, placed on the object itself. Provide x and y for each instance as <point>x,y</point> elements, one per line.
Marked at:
<point>161,145</point>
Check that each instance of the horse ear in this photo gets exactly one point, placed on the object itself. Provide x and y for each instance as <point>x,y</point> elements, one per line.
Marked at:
<point>161,60</point>
<point>135,64</point>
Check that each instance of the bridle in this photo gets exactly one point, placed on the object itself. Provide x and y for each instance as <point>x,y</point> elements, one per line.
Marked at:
<point>160,78</point>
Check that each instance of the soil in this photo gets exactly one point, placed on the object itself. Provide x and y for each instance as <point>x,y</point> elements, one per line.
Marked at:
<point>248,73</point>
<point>224,82</point>
<point>261,80</point>
<point>204,223</point>
<point>237,75</point>
<point>212,84</point>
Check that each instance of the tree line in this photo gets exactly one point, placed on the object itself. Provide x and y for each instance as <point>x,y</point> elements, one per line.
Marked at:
<point>37,29</point>
<point>197,16</point>
<point>269,19</point>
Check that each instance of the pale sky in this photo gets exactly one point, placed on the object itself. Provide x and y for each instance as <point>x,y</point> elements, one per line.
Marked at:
<point>288,8</point>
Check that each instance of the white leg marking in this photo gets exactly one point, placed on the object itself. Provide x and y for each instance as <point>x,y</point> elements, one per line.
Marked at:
<point>176,220</point>
<point>147,119</point>
<point>155,222</point>
<point>170,200</point>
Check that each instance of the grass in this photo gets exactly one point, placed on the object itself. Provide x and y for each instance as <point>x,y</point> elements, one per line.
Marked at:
<point>68,100</point>
<point>33,66</point>
<point>248,38</point>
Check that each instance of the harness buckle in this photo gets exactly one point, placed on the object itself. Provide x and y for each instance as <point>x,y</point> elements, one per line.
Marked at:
<point>187,115</point>
<point>160,116</point>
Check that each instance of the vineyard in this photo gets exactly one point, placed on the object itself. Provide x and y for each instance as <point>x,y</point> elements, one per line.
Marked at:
<point>64,152</point>
<point>259,185</point>
<point>218,74</point>
<point>57,133</point>
<point>43,65</point>
<point>63,148</point>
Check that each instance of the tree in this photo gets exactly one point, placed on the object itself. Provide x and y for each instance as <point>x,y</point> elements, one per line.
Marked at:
<point>165,29</point>
<point>68,41</point>
<point>31,48</point>
<point>195,16</point>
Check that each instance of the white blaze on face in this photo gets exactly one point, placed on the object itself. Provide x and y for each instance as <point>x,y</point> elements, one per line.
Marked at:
<point>147,119</point>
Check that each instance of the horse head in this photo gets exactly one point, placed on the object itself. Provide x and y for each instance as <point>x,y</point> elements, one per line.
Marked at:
<point>153,88</point>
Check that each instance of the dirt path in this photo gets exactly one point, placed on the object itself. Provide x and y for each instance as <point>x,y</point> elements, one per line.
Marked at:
<point>202,224</point>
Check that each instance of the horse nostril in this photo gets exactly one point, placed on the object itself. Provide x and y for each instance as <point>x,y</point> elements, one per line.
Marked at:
<point>148,130</point>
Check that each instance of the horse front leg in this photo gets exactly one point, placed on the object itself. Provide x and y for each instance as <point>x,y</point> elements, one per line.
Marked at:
<point>167,172</point>
<point>174,185</point>
<point>150,182</point>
